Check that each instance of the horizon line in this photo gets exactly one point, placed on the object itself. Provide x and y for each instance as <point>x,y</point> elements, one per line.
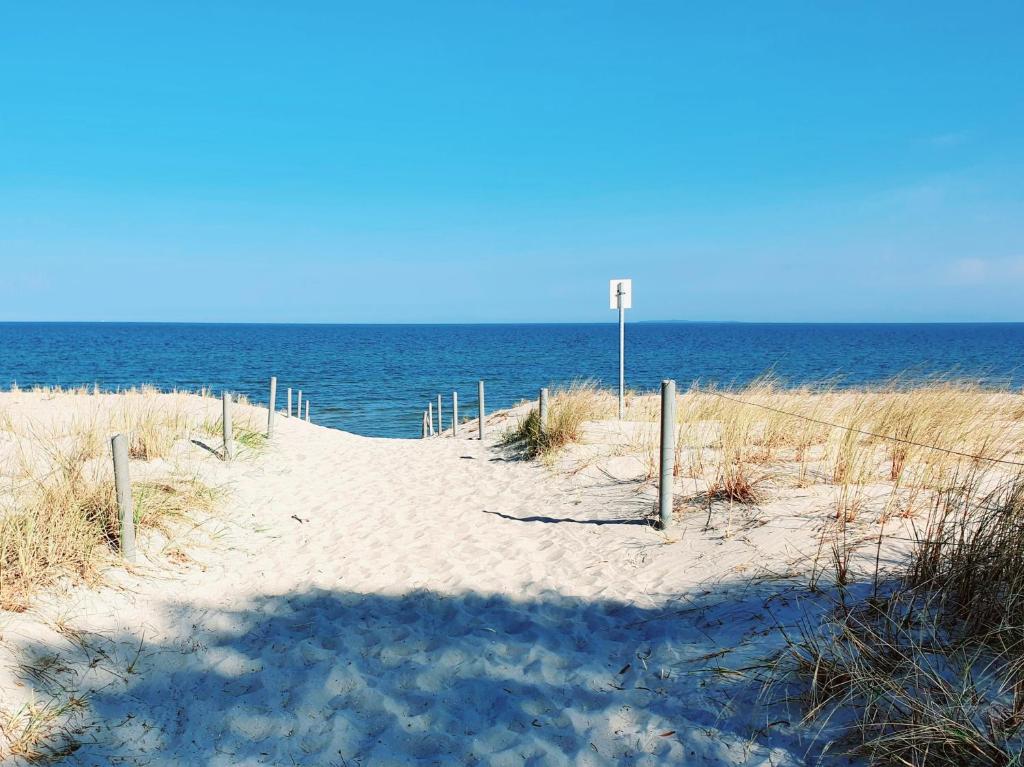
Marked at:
<point>512,322</point>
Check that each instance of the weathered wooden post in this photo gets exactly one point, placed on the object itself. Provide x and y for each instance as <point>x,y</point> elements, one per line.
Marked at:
<point>424,436</point>
<point>123,488</point>
<point>430,417</point>
<point>298,405</point>
<point>480,392</point>
<point>440,428</point>
<point>542,410</point>
<point>668,450</point>
<point>288,412</point>
<point>272,406</point>
<point>229,437</point>
<point>455,414</point>
<point>307,411</point>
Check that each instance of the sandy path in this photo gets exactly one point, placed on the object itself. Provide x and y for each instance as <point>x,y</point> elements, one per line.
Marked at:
<point>436,604</point>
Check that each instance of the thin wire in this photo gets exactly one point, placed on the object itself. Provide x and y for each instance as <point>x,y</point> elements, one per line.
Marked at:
<point>35,480</point>
<point>866,433</point>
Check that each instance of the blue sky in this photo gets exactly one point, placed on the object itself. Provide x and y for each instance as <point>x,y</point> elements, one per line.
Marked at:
<point>488,162</point>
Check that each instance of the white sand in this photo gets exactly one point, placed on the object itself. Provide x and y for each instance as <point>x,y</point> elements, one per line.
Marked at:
<point>393,602</point>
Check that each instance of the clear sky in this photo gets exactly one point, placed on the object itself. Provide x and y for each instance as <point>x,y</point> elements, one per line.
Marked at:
<point>488,162</point>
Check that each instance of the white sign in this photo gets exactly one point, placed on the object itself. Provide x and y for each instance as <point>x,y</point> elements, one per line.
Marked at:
<point>627,294</point>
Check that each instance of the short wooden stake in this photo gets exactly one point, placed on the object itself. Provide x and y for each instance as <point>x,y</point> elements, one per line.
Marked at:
<point>430,417</point>
<point>480,392</point>
<point>298,405</point>
<point>455,414</point>
<point>123,487</point>
<point>668,451</point>
<point>440,428</point>
<point>307,411</point>
<point>542,410</point>
<point>271,407</point>
<point>229,437</point>
<point>288,412</point>
<point>424,436</point>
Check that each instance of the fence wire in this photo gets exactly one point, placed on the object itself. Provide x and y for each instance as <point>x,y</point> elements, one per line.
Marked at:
<point>891,438</point>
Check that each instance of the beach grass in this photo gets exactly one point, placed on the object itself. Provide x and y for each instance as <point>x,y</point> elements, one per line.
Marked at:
<point>246,426</point>
<point>58,510</point>
<point>37,732</point>
<point>568,410</point>
<point>927,666</point>
<point>911,437</point>
<point>921,663</point>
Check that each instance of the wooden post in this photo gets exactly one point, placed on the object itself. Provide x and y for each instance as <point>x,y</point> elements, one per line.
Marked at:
<point>430,417</point>
<point>298,405</point>
<point>668,450</point>
<point>123,487</point>
<point>272,406</point>
<point>229,437</point>
<point>288,412</point>
<point>480,392</point>
<point>455,414</point>
<point>307,411</point>
<point>440,428</point>
<point>424,436</point>
<point>542,410</point>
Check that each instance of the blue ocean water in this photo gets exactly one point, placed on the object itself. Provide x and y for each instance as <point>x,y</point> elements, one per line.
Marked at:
<point>377,379</point>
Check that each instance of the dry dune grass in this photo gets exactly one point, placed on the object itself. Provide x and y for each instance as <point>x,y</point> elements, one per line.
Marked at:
<point>568,410</point>
<point>914,440</point>
<point>927,667</point>
<point>246,427</point>
<point>922,663</point>
<point>742,441</point>
<point>37,732</point>
<point>58,513</point>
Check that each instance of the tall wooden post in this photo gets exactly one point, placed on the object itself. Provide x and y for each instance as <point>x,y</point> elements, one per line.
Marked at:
<point>542,410</point>
<point>229,436</point>
<point>483,410</point>
<point>668,450</point>
<point>123,488</point>
<point>271,407</point>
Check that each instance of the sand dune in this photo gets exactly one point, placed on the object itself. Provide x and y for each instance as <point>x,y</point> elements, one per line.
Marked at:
<point>389,602</point>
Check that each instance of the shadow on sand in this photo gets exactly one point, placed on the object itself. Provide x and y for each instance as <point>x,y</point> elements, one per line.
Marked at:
<point>327,677</point>
<point>570,520</point>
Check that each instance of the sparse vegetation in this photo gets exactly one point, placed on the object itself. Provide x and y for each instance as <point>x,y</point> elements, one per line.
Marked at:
<point>920,664</point>
<point>739,444</point>
<point>245,427</point>
<point>568,410</point>
<point>58,513</point>
<point>929,669</point>
<point>37,731</point>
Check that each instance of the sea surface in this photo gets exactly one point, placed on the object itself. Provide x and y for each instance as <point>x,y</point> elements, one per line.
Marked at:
<point>377,379</point>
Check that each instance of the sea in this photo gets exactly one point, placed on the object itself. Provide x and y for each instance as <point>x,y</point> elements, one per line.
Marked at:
<point>376,380</point>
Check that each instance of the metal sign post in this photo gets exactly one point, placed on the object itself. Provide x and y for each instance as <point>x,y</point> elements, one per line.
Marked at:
<point>620,296</point>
